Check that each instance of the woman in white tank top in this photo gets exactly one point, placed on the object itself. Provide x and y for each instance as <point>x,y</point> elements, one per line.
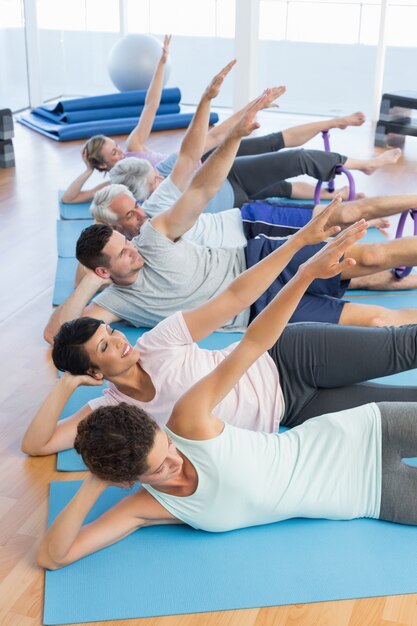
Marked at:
<point>215,476</point>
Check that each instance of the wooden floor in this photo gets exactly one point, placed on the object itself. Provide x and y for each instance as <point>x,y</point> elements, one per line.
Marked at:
<point>28,209</point>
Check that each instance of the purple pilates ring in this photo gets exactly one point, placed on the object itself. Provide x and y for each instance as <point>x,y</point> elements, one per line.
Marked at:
<point>339,170</point>
<point>402,272</point>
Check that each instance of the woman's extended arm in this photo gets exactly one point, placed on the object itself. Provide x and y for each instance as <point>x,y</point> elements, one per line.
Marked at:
<point>250,285</point>
<point>67,540</point>
<point>192,416</point>
<point>45,434</point>
<point>140,134</point>
<point>216,134</point>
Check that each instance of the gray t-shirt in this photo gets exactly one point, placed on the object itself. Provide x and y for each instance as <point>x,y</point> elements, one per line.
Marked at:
<point>176,276</point>
<point>217,230</point>
<point>224,198</point>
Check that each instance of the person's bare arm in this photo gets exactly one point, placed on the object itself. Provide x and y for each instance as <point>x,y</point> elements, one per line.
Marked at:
<point>45,434</point>
<point>192,415</point>
<point>140,135</point>
<point>76,305</point>
<point>192,146</point>
<point>217,134</point>
<point>249,286</point>
<point>208,180</point>
<point>67,540</point>
<point>74,194</point>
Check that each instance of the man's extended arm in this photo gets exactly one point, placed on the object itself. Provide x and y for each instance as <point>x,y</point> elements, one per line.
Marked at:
<point>193,144</point>
<point>208,180</point>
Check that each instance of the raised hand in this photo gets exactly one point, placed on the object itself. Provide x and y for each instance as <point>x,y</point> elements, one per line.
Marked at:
<point>315,231</point>
<point>275,92</point>
<point>326,263</point>
<point>247,123</point>
<point>213,88</point>
<point>165,48</point>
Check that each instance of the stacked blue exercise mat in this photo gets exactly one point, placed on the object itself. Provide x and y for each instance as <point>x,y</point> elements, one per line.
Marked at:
<point>110,114</point>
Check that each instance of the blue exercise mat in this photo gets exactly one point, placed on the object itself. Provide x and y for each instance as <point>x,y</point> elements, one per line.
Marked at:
<point>94,115</point>
<point>110,100</point>
<point>66,268</point>
<point>82,130</point>
<point>69,460</point>
<point>79,211</point>
<point>389,299</point>
<point>68,232</point>
<point>171,570</point>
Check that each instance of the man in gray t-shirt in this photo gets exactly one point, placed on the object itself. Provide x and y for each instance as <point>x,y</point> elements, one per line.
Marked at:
<point>175,275</point>
<point>159,273</point>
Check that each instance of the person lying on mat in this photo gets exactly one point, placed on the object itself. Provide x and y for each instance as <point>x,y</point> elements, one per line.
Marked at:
<point>300,377</point>
<point>258,177</point>
<point>116,206</point>
<point>213,476</point>
<point>159,273</point>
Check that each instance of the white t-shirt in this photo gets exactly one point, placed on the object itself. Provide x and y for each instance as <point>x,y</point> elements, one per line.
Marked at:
<point>174,363</point>
<point>329,467</point>
<point>215,230</point>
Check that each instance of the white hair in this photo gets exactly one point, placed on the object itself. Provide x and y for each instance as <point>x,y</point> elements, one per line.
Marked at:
<point>133,173</point>
<point>100,206</point>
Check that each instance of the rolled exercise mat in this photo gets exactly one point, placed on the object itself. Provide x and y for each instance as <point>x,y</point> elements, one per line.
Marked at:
<point>83,130</point>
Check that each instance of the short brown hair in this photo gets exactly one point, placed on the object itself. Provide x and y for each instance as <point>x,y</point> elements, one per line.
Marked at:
<point>114,442</point>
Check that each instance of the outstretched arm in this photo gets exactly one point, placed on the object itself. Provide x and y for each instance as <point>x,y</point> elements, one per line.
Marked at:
<point>192,146</point>
<point>67,540</point>
<point>192,416</point>
<point>208,180</point>
<point>45,434</point>
<point>76,305</point>
<point>252,283</point>
<point>139,135</point>
<point>218,133</point>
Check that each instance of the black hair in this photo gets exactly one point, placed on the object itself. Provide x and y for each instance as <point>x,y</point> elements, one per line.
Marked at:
<point>90,244</point>
<point>68,352</point>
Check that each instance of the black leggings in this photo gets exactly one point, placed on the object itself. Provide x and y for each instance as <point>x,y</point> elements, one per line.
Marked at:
<point>260,169</point>
<point>323,367</point>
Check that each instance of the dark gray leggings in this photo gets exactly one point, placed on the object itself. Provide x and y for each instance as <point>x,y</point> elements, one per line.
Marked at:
<point>399,481</point>
<point>323,367</point>
<point>260,169</point>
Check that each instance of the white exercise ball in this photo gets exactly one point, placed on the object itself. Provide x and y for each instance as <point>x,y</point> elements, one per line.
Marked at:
<point>132,62</point>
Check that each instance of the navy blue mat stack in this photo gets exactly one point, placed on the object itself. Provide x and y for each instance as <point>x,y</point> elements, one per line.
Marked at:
<point>110,114</point>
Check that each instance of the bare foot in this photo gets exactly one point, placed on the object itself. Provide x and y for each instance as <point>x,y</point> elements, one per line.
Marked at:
<point>354,119</point>
<point>384,281</point>
<point>386,158</point>
<point>380,223</point>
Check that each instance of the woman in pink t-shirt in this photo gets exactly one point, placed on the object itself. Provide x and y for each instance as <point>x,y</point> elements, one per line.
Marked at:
<point>311,370</point>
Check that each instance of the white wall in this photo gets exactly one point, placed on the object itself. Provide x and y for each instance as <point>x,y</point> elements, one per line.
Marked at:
<point>320,78</point>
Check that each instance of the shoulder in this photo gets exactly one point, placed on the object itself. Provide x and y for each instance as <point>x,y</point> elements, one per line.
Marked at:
<point>172,331</point>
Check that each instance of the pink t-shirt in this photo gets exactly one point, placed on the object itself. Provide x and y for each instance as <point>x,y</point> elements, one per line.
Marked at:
<point>174,363</point>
